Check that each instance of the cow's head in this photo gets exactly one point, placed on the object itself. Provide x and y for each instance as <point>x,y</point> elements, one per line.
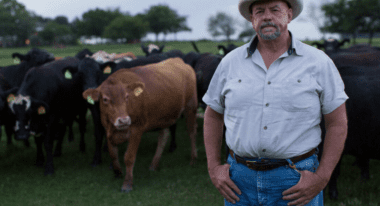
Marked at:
<point>35,57</point>
<point>120,103</point>
<point>93,73</point>
<point>29,114</point>
<point>152,49</point>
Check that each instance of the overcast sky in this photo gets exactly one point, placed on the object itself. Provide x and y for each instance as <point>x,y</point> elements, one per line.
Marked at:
<point>197,12</point>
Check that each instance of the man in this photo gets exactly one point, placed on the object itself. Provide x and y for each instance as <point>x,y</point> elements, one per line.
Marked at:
<point>271,94</point>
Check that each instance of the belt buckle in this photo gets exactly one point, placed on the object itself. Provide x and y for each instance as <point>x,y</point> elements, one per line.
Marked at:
<point>250,164</point>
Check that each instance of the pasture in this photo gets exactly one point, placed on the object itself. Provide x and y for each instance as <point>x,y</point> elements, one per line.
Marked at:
<point>75,182</point>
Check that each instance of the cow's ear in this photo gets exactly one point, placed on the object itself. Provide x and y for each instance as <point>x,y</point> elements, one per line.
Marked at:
<point>144,48</point>
<point>69,72</point>
<point>91,95</point>
<point>107,67</point>
<point>136,88</point>
<point>161,48</point>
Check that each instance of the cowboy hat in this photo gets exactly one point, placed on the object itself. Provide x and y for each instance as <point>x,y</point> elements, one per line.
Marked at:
<point>244,7</point>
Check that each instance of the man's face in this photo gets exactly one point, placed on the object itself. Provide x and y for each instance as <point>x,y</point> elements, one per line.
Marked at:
<point>270,18</point>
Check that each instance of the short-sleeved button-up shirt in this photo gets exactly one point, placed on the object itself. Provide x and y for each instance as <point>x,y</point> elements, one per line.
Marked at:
<point>275,112</point>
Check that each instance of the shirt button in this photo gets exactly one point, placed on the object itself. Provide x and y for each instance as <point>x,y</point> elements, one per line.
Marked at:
<point>269,82</point>
<point>267,104</point>
<point>299,81</point>
<point>264,150</point>
<point>239,80</point>
<point>265,128</point>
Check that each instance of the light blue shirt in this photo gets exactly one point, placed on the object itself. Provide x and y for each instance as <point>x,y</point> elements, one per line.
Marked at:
<point>275,112</point>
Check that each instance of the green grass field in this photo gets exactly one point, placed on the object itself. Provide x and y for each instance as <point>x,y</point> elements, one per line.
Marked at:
<point>75,182</point>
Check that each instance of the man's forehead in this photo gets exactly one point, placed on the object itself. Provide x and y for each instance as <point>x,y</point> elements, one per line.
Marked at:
<point>274,3</point>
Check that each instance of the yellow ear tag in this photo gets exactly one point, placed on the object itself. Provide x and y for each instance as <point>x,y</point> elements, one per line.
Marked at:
<point>11,98</point>
<point>68,75</point>
<point>107,70</point>
<point>138,91</point>
<point>41,110</point>
<point>90,100</point>
<point>221,51</point>
<point>16,61</point>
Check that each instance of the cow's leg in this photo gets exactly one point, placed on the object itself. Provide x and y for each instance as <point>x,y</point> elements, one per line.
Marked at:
<point>99,133</point>
<point>173,144</point>
<point>59,133</point>
<point>191,125</point>
<point>48,143</point>
<point>114,154</point>
<point>162,139</point>
<point>129,160</point>
<point>82,129</point>
<point>71,132</point>
<point>363,163</point>
<point>40,155</point>
<point>333,189</point>
<point>8,132</point>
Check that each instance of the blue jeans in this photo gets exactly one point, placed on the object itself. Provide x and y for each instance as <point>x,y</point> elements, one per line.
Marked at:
<point>266,187</point>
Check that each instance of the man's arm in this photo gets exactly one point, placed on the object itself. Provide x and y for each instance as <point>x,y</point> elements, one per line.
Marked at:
<point>310,183</point>
<point>213,137</point>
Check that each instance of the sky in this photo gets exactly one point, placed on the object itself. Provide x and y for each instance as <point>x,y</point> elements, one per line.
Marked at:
<point>196,11</point>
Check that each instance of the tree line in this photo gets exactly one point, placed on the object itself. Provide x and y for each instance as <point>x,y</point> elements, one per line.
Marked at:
<point>20,27</point>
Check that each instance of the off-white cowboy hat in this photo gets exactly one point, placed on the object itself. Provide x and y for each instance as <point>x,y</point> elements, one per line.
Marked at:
<point>296,5</point>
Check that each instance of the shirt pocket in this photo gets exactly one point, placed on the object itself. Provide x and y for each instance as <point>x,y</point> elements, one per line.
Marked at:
<point>298,94</point>
<point>238,93</point>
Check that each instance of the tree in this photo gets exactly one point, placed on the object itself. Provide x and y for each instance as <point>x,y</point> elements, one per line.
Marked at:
<point>56,33</point>
<point>221,24</point>
<point>62,20</point>
<point>352,17</point>
<point>161,19</point>
<point>127,27</point>
<point>15,21</point>
<point>248,30</point>
<point>179,25</point>
<point>95,21</point>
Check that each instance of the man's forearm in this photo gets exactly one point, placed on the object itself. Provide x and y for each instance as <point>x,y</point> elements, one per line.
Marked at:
<point>213,136</point>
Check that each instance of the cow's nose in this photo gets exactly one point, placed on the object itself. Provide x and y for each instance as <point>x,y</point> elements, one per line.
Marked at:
<point>123,122</point>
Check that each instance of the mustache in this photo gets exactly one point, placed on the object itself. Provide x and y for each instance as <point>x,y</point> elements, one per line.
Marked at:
<point>268,24</point>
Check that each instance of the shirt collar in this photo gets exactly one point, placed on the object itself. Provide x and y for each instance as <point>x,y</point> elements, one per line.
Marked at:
<point>252,46</point>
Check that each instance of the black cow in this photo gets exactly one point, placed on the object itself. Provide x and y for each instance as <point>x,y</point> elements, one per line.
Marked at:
<point>152,49</point>
<point>82,54</point>
<point>224,51</point>
<point>12,78</point>
<point>362,85</point>
<point>331,45</point>
<point>191,58</point>
<point>48,100</point>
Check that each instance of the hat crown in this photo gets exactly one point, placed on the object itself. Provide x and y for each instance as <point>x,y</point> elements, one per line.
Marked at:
<point>296,5</point>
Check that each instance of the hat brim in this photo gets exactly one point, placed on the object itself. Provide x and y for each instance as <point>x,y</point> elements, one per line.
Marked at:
<point>297,6</point>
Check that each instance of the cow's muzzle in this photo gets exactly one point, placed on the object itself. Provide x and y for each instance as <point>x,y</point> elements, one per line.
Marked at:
<point>122,123</point>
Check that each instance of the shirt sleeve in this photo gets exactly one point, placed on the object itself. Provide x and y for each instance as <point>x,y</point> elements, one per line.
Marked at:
<point>213,97</point>
<point>332,94</point>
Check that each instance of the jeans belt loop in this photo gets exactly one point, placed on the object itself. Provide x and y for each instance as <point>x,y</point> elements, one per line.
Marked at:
<point>292,165</point>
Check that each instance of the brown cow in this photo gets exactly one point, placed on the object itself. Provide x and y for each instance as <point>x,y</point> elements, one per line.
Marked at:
<point>145,98</point>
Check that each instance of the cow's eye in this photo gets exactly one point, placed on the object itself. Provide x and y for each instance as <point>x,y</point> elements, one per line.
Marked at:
<point>105,100</point>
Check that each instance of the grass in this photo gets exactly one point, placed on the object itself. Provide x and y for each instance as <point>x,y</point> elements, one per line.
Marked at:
<point>176,183</point>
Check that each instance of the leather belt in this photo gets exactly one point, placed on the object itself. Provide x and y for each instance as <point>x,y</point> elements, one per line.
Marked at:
<point>263,164</point>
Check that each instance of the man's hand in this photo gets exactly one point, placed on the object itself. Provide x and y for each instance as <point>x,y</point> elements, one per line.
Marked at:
<point>309,186</point>
<point>220,177</point>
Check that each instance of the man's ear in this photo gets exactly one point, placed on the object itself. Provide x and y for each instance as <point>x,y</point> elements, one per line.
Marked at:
<point>136,88</point>
<point>290,15</point>
<point>91,95</point>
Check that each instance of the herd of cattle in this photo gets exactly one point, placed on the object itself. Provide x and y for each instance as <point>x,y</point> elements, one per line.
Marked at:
<point>129,95</point>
